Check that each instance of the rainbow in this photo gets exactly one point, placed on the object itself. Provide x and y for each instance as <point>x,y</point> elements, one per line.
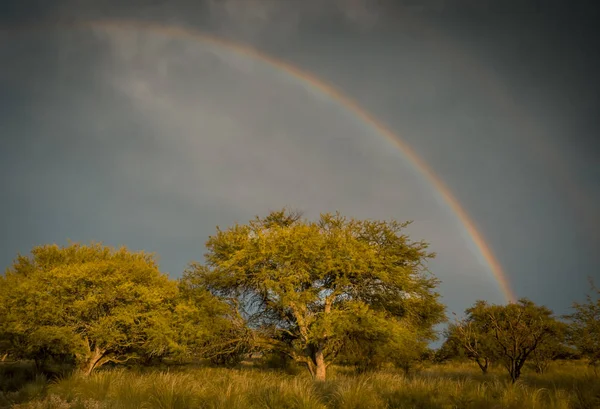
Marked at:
<point>331,92</point>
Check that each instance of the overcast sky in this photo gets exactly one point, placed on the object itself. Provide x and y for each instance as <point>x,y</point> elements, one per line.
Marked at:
<point>132,137</point>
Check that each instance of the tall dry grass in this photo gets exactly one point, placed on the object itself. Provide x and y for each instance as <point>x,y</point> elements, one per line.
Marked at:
<point>450,386</point>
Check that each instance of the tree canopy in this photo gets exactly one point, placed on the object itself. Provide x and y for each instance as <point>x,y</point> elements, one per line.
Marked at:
<point>208,327</point>
<point>473,336</point>
<point>508,334</point>
<point>335,289</point>
<point>307,288</point>
<point>519,329</point>
<point>584,331</point>
<point>92,302</point>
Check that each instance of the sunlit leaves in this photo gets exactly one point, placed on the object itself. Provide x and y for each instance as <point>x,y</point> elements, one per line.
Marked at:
<point>93,302</point>
<point>316,284</point>
<point>508,334</point>
<point>584,330</point>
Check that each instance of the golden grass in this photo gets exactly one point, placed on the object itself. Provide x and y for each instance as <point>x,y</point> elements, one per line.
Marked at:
<point>448,386</point>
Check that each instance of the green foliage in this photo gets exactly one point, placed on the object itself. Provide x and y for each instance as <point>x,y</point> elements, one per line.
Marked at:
<point>510,334</point>
<point>584,331</point>
<point>550,349</point>
<point>279,361</point>
<point>521,328</point>
<point>450,350</point>
<point>314,293</point>
<point>399,348</point>
<point>306,288</point>
<point>208,327</point>
<point>93,303</point>
<point>473,338</point>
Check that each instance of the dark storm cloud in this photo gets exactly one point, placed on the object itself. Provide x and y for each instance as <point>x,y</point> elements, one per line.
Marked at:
<point>123,137</point>
<point>147,141</point>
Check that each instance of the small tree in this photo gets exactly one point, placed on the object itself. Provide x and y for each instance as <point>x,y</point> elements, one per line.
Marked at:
<point>307,287</point>
<point>449,350</point>
<point>518,330</point>
<point>509,334</point>
<point>472,335</point>
<point>584,330</point>
<point>550,349</point>
<point>92,302</point>
<point>393,346</point>
<point>6,343</point>
<point>208,327</point>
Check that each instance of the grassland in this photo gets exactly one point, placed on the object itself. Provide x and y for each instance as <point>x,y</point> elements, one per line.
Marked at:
<point>446,386</point>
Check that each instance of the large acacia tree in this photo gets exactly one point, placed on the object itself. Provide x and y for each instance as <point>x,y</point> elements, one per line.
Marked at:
<point>306,288</point>
<point>93,303</point>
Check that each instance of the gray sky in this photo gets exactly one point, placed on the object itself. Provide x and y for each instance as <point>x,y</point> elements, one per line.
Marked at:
<point>135,138</point>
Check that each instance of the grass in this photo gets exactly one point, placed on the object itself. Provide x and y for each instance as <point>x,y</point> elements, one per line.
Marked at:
<point>449,386</point>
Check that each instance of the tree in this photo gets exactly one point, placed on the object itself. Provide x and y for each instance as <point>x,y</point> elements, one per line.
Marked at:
<point>509,334</point>
<point>208,327</point>
<point>396,346</point>
<point>449,350</point>
<point>6,343</point>
<point>584,330</point>
<point>518,330</point>
<point>473,337</point>
<point>93,302</point>
<point>306,288</point>
<point>549,350</point>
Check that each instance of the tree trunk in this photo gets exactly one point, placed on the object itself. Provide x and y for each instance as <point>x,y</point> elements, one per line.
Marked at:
<point>512,371</point>
<point>40,363</point>
<point>515,370</point>
<point>311,367</point>
<point>518,370</point>
<point>93,358</point>
<point>321,368</point>
<point>483,365</point>
<point>319,358</point>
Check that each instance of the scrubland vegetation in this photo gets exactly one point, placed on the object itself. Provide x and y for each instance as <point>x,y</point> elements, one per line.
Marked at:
<point>448,386</point>
<point>282,313</point>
